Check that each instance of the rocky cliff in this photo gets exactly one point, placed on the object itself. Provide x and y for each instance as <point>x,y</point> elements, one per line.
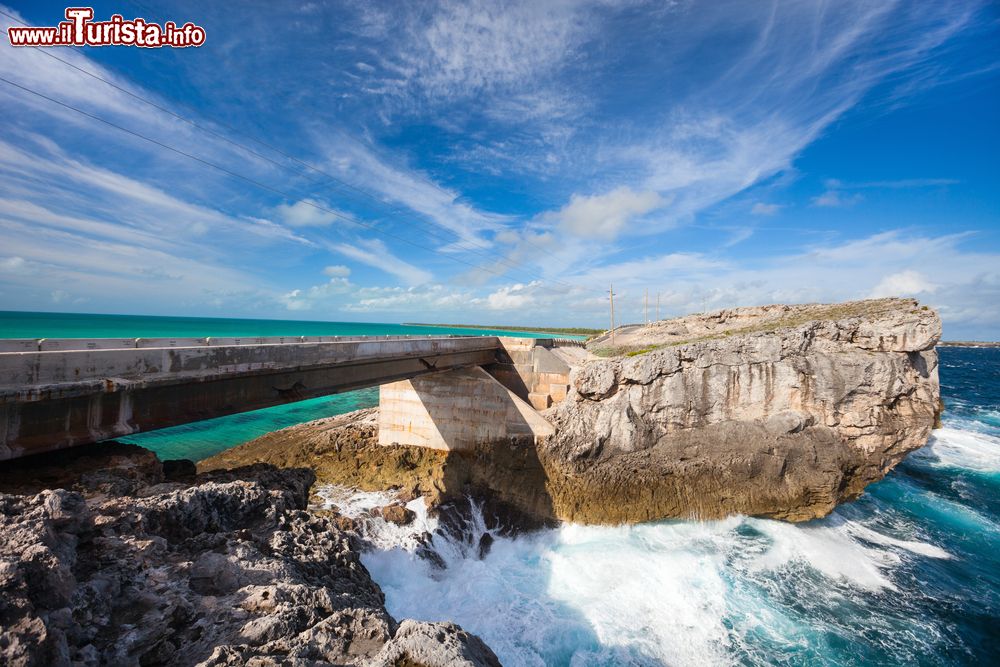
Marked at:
<point>780,411</point>
<point>109,558</point>
<point>776,411</point>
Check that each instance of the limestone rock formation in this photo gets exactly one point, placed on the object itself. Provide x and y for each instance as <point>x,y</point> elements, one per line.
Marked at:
<point>123,568</point>
<point>398,514</point>
<point>780,411</point>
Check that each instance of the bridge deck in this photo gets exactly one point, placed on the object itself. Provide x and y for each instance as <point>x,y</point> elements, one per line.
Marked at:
<point>58,393</point>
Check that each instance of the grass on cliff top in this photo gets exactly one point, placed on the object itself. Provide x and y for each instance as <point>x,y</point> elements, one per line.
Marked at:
<point>634,351</point>
<point>825,313</point>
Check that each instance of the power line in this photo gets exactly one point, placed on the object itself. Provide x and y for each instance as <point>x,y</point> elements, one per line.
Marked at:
<point>611,296</point>
<point>248,179</point>
<point>380,202</point>
<point>151,11</point>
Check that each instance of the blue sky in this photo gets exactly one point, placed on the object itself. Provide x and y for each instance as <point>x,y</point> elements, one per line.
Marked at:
<point>472,162</point>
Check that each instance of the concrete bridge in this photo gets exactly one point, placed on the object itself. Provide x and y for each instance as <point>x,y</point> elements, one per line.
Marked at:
<point>57,393</point>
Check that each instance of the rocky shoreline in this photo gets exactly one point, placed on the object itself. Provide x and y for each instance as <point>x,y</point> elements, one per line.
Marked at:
<point>109,556</point>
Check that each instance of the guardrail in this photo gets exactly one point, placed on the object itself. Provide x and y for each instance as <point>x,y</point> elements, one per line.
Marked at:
<point>68,344</point>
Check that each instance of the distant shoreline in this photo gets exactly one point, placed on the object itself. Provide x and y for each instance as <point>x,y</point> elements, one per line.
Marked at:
<point>968,343</point>
<point>573,331</point>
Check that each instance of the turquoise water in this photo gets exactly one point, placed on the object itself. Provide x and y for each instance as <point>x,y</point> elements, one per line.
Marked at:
<point>909,574</point>
<point>202,439</point>
<point>74,325</point>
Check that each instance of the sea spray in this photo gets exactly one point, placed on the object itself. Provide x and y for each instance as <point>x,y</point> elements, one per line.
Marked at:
<point>670,592</point>
<point>906,574</point>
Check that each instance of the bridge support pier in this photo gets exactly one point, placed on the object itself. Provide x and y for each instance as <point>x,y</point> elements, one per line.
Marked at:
<point>455,410</point>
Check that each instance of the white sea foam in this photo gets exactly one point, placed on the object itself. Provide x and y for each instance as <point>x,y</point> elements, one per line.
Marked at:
<point>668,593</point>
<point>839,549</point>
<point>957,448</point>
<point>354,504</point>
<point>827,549</point>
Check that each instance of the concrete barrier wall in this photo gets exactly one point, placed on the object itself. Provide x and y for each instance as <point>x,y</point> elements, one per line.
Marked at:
<point>28,371</point>
<point>63,344</point>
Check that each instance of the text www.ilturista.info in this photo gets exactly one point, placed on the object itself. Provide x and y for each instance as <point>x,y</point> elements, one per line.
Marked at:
<point>80,30</point>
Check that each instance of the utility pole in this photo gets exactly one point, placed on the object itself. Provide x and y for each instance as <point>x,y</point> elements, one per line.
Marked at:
<point>645,307</point>
<point>611,295</point>
<point>657,306</point>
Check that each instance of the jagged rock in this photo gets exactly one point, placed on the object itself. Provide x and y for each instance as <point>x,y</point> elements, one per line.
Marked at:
<point>179,469</point>
<point>226,570</point>
<point>595,381</point>
<point>433,645</point>
<point>398,514</point>
<point>485,544</point>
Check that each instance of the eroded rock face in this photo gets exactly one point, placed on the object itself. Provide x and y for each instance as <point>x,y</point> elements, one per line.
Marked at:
<point>225,569</point>
<point>781,416</point>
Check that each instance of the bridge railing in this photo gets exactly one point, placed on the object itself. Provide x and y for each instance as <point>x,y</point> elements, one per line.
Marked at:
<point>73,344</point>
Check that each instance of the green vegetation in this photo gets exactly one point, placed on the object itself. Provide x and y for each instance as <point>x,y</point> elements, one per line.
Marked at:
<point>799,316</point>
<point>573,331</point>
<point>631,351</point>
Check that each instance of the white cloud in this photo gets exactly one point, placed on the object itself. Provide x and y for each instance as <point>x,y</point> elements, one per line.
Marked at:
<point>604,216</point>
<point>510,84</point>
<point>903,283</point>
<point>95,267</point>
<point>328,295</point>
<point>795,70</point>
<point>133,204</point>
<point>374,253</point>
<point>760,208</point>
<point>305,213</point>
<point>965,286</point>
<point>436,299</point>
<point>466,47</point>
<point>513,297</point>
<point>374,180</point>
<point>836,199</point>
<point>13,264</point>
<point>337,271</point>
<point>839,194</point>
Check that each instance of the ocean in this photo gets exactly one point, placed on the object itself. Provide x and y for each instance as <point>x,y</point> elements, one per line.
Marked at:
<point>907,574</point>
<point>203,439</point>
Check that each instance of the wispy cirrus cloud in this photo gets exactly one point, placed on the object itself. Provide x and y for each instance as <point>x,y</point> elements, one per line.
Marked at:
<point>763,208</point>
<point>374,253</point>
<point>399,192</point>
<point>605,215</point>
<point>836,199</point>
<point>306,213</point>
<point>557,147</point>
